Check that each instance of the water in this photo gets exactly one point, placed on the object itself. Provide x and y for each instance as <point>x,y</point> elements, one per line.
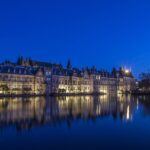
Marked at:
<point>104,122</point>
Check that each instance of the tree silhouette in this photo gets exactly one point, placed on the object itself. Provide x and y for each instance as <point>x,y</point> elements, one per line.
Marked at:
<point>145,81</point>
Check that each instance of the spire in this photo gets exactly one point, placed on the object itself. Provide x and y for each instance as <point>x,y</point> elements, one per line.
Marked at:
<point>30,62</point>
<point>22,61</point>
<point>114,72</point>
<point>19,61</point>
<point>69,66</point>
<point>27,62</point>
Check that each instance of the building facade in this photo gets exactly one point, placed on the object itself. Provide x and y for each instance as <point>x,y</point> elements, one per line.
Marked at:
<point>21,80</point>
<point>33,77</point>
<point>83,81</point>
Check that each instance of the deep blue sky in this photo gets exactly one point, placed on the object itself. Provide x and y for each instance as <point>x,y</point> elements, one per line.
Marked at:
<point>104,33</point>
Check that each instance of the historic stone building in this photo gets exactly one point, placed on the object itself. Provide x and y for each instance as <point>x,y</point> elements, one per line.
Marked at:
<point>125,81</point>
<point>83,81</point>
<point>70,81</point>
<point>104,82</point>
<point>34,77</point>
<point>21,80</point>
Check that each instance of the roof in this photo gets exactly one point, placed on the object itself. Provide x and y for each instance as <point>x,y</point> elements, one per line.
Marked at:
<point>18,70</point>
<point>66,72</point>
<point>45,64</point>
<point>78,72</point>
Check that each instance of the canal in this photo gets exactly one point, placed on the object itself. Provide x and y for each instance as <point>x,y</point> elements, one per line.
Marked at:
<point>78,122</point>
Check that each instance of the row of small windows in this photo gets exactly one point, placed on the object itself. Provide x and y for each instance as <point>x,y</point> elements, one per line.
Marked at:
<point>104,82</point>
<point>22,79</point>
<point>66,82</point>
<point>72,88</point>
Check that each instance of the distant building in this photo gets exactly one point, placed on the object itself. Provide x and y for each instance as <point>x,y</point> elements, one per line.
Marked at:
<point>79,81</point>
<point>34,77</point>
<point>125,81</point>
<point>21,80</point>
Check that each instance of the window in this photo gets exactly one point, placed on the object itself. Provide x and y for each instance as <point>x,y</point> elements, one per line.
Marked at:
<point>65,82</point>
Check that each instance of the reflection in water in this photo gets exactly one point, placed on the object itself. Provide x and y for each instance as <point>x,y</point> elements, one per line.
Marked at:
<point>145,102</point>
<point>30,112</point>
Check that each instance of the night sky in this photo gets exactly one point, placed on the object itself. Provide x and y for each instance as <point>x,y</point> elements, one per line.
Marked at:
<point>104,33</point>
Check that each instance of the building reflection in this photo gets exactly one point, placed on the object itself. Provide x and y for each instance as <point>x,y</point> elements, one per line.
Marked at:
<point>31,112</point>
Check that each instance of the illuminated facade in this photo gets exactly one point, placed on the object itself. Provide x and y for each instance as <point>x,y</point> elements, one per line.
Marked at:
<point>34,77</point>
<point>83,81</point>
<point>125,81</point>
<point>21,80</point>
<point>71,81</point>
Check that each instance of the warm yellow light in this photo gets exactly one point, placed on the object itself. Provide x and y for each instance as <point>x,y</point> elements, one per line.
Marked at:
<point>128,113</point>
<point>127,71</point>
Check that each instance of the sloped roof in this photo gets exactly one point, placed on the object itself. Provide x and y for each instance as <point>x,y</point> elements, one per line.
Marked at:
<point>17,70</point>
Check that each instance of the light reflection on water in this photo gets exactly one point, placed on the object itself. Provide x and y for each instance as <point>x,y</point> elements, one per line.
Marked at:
<point>28,112</point>
<point>75,122</point>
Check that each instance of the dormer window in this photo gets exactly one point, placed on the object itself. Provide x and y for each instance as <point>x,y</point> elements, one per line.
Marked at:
<point>98,77</point>
<point>48,73</point>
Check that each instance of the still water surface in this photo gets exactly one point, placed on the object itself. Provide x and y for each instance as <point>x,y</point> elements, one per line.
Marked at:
<point>104,122</point>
